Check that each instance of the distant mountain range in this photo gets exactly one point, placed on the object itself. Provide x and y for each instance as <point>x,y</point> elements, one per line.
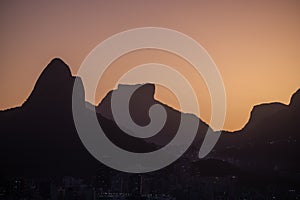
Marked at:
<point>40,138</point>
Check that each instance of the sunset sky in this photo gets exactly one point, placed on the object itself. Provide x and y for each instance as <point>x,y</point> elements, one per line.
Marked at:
<point>255,44</point>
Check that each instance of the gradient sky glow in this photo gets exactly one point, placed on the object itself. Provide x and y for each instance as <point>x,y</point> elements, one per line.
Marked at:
<point>255,44</point>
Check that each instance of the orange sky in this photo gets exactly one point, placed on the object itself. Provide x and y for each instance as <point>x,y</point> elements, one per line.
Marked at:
<point>255,44</point>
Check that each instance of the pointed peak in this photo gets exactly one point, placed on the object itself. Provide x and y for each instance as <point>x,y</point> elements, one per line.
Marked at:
<point>57,67</point>
<point>56,74</point>
<point>54,85</point>
<point>57,61</point>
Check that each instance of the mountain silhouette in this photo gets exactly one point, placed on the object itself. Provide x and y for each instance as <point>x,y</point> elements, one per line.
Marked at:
<point>52,86</point>
<point>270,139</point>
<point>40,138</point>
<point>140,103</point>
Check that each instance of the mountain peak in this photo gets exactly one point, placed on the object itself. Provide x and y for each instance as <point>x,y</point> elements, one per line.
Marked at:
<point>57,68</point>
<point>266,108</point>
<point>57,60</point>
<point>55,73</point>
<point>54,83</point>
<point>262,111</point>
<point>147,89</point>
<point>295,99</point>
<point>143,95</point>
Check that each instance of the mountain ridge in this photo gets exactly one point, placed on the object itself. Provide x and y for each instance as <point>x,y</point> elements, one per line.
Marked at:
<point>44,124</point>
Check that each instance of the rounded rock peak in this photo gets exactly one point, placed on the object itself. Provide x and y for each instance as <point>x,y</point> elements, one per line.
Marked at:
<point>57,68</point>
<point>295,99</point>
<point>56,75</point>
